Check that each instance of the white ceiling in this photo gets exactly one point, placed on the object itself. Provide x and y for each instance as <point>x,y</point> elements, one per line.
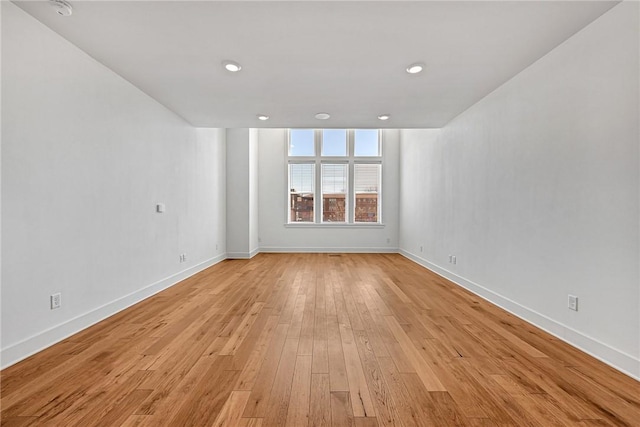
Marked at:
<point>299,58</point>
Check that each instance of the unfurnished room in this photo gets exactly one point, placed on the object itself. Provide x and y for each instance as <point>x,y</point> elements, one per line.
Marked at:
<point>320,213</point>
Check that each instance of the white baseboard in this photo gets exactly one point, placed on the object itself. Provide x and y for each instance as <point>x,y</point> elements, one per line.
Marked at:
<point>367,250</point>
<point>243,255</point>
<point>617,359</point>
<point>55,334</point>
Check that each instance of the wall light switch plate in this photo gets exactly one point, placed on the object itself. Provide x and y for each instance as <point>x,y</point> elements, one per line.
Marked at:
<point>160,208</point>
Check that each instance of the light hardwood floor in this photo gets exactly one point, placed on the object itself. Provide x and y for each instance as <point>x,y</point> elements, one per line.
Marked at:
<point>318,340</point>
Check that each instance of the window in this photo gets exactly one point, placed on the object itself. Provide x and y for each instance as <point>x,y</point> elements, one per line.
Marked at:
<point>301,184</point>
<point>334,176</point>
<point>301,142</point>
<point>334,192</point>
<point>367,142</point>
<point>334,142</point>
<point>366,189</point>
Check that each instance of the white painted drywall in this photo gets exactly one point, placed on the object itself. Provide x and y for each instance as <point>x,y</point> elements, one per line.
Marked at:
<point>0,192</point>
<point>242,193</point>
<point>86,157</point>
<point>237,203</point>
<point>535,189</point>
<point>254,212</point>
<point>276,236</point>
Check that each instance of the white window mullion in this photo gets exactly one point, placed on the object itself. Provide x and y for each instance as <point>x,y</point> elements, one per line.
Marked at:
<point>318,192</point>
<point>351,194</point>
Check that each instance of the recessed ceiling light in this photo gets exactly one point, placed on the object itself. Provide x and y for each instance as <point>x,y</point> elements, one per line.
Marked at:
<point>231,66</point>
<point>415,68</point>
<point>384,117</point>
<point>322,116</point>
<point>263,117</point>
<point>61,7</point>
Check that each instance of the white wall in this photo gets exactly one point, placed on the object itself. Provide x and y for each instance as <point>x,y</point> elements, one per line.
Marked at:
<point>276,236</point>
<point>0,192</point>
<point>86,157</point>
<point>237,202</point>
<point>242,193</point>
<point>535,189</point>
<point>254,199</point>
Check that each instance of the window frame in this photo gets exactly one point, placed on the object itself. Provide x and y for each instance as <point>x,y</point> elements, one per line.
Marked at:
<point>318,160</point>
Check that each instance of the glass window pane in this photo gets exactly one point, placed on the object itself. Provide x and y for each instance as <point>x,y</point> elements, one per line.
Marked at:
<point>334,142</point>
<point>301,190</point>
<point>301,142</point>
<point>334,192</point>
<point>366,188</point>
<point>366,142</point>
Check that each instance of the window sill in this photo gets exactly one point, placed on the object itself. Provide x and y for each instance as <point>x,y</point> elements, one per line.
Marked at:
<point>331,225</point>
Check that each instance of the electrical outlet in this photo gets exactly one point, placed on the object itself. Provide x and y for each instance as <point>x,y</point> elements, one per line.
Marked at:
<point>421,248</point>
<point>453,259</point>
<point>56,301</point>
<point>573,302</point>
<point>388,240</point>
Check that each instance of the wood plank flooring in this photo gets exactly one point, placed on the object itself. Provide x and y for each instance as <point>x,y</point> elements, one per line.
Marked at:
<point>315,340</point>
